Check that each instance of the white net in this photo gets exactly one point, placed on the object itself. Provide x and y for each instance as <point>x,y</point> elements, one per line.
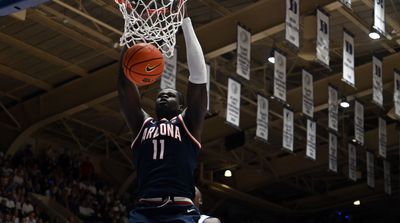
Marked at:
<point>152,21</point>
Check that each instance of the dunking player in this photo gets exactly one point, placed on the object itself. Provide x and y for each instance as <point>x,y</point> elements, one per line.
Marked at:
<point>165,148</point>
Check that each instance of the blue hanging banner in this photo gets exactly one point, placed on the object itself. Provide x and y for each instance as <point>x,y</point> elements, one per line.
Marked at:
<point>8,7</point>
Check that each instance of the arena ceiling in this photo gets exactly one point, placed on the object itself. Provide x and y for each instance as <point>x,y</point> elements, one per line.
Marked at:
<point>58,85</point>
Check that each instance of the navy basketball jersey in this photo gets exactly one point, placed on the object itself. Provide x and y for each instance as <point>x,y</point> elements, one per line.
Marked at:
<point>165,156</point>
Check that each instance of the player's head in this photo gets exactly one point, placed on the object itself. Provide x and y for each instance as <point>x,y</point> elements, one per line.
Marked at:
<point>198,200</point>
<point>169,103</point>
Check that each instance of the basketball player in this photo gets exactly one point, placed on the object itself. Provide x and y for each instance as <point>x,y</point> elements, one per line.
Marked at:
<point>198,201</point>
<point>165,148</point>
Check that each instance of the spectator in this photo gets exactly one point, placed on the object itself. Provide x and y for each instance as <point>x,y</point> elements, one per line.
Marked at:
<point>27,207</point>
<point>198,201</point>
<point>87,169</point>
<point>62,177</point>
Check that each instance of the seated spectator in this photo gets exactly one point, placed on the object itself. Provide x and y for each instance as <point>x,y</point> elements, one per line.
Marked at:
<point>198,201</point>
<point>19,177</point>
<point>62,177</point>
<point>27,207</point>
<point>87,169</point>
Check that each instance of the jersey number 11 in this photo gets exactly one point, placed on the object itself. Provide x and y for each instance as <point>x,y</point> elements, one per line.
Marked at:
<point>155,149</point>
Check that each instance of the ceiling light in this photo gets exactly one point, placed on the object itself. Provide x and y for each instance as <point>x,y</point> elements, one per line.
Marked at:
<point>374,35</point>
<point>357,203</point>
<point>271,59</point>
<point>344,103</point>
<point>228,173</point>
<point>354,140</point>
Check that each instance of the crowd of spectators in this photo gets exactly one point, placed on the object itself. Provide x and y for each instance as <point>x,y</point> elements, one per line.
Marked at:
<point>67,177</point>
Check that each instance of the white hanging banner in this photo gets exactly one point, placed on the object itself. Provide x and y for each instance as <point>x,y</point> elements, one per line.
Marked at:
<point>311,139</point>
<point>323,38</point>
<point>359,122</point>
<point>292,22</point>
<point>370,170</point>
<point>348,58</point>
<point>262,118</point>
<point>168,78</point>
<point>352,162</point>
<point>287,142</point>
<point>396,94</point>
<point>382,137</point>
<point>347,3</point>
<point>233,105</point>
<point>332,152</point>
<point>379,16</point>
<point>377,84</point>
<point>308,94</point>
<point>386,176</point>
<point>280,76</point>
<point>208,85</point>
<point>333,108</point>
<point>243,52</point>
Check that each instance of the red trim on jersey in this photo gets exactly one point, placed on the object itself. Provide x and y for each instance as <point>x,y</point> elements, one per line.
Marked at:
<point>187,131</point>
<point>140,131</point>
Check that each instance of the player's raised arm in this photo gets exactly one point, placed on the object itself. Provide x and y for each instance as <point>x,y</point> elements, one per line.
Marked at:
<point>130,101</point>
<point>197,90</point>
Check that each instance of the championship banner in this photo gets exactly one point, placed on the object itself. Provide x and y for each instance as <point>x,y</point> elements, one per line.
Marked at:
<point>168,78</point>
<point>359,122</point>
<point>352,162</point>
<point>386,176</point>
<point>379,16</point>
<point>347,3</point>
<point>233,105</point>
<point>308,94</point>
<point>377,84</point>
<point>243,52</point>
<point>396,94</point>
<point>208,85</point>
<point>382,137</point>
<point>311,139</point>
<point>262,118</point>
<point>288,137</point>
<point>332,152</point>
<point>370,170</point>
<point>323,38</point>
<point>280,76</point>
<point>333,107</point>
<point>348,58</point>
<point>292,22</point>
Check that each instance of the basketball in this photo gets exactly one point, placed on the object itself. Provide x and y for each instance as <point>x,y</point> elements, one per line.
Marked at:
<point>143,64</point>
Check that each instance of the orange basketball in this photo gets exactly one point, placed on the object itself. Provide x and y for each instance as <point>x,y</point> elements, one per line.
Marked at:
<point>143,64</point>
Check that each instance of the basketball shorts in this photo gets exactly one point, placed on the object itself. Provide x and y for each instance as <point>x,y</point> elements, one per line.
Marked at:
<point>170,213</point>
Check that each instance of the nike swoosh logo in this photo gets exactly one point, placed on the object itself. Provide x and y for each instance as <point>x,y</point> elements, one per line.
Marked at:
<point>151,68</point>
<point>190,210</point>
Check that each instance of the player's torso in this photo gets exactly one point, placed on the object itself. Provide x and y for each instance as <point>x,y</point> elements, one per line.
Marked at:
<point>165,156</point>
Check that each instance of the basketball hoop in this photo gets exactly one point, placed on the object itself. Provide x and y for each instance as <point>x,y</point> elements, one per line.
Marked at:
<point>152,21</point>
